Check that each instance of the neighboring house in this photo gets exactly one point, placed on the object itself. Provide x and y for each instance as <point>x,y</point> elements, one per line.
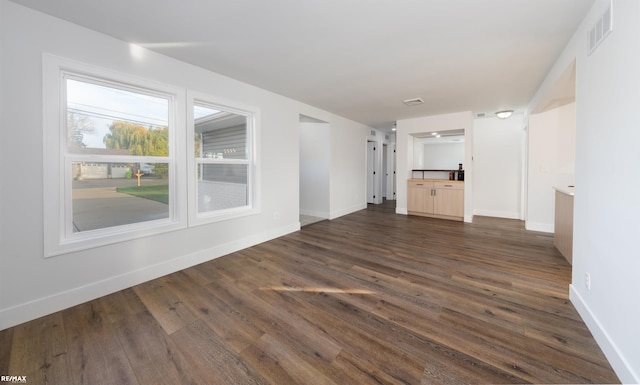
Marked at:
<point>94,170</point>
<point>223,135</point>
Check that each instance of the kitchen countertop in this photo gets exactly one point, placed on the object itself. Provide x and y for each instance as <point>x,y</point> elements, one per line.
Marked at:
<point>565,189</point>
<point>434,180</point>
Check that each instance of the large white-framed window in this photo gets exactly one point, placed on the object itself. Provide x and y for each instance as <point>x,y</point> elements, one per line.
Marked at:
<point>112,149</point>
<point>115,150</point>
<point>223,171</point>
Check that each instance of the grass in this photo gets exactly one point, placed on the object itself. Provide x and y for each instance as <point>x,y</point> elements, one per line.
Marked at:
<point>156,192</point>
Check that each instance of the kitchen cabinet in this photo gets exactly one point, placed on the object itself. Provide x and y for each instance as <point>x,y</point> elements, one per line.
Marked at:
<point>420,196</point>
<point>563,222</point>
<point>436,198</point>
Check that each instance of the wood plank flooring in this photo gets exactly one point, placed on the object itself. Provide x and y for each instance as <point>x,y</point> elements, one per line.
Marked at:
<point>368,298</point>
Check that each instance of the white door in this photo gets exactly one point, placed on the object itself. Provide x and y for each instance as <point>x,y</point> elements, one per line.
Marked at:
<point>385,172</point>
<point>371,172</point>
<point>393,171</point>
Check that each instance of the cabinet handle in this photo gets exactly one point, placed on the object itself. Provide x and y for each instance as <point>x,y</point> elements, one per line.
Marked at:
<point>448,185</point>
<point>419,184</point>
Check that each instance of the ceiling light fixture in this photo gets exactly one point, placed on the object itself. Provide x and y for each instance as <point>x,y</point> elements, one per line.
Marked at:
<point>413,102</point>
<point>505,114</point>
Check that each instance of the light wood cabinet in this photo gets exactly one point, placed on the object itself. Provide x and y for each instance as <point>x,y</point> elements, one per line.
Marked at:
<point>449,199</point>
<point>436,198</point>
<point>563,224</point>
<point>420,196</point>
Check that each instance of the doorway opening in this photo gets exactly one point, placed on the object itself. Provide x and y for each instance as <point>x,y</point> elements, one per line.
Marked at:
<point>380,168</point>
<point>550,162</point>
<point>315,165</point>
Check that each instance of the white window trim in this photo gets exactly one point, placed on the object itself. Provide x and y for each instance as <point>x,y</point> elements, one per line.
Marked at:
<point>57,183</point>
<point>253,174</point>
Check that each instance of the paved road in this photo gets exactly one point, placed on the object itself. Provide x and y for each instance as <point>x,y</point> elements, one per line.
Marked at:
<point>97,204</point>
<point>116,182</point>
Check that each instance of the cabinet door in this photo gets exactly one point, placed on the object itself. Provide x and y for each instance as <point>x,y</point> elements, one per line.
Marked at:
<point>449,200</point>
<point>419,197</point>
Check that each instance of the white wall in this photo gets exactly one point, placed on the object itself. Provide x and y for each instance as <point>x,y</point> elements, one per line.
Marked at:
<point>441,156</point>
<point>497,161</point>
<point>348,166</point>
<point>4,100</point>
<point>606,205</point>
<point>315,172</point>
<point>551,138</point>
<point>404,153</point>
<point>30,285</point>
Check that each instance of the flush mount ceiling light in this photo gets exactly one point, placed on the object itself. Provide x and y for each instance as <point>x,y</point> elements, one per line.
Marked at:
<point>504,114</point>
<point>413,102</point>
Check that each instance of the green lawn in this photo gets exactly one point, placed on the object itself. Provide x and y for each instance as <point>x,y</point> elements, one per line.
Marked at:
<point>156,192</point>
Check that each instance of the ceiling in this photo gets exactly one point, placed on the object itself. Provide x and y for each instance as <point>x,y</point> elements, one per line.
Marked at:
<point>356,58</point>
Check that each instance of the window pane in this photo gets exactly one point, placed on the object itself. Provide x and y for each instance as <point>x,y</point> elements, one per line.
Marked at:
<point>107,194</point>
<point>222,186</point>
<point>111,121</point>
<point>219,134</point>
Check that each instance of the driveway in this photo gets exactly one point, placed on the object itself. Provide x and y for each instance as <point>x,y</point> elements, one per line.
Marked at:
<point>97,205</point>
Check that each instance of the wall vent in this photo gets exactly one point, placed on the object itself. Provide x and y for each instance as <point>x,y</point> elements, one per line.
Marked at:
<point>480,115</point>
<point>373,133</point>
<point>602,28</point>
<point>413,102</point>
<point>386,137</point>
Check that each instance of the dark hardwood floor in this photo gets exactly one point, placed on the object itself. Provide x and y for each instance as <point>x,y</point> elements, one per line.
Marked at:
<point>368,298</point>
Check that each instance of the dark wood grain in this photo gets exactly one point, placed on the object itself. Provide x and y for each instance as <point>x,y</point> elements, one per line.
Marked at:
<point>368,298</point>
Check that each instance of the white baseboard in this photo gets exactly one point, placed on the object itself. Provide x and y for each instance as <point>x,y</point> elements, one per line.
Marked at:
<point>619,364</point>
<point>497,214</point>
<point>314,213</point>
<point>543,227</point>
<point>404,211</point>
<point>21,313</point>
<point>348,210</point>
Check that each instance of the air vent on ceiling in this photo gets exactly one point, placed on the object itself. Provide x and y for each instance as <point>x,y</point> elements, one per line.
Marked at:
<point>604,26</point>
<point>413,102</point>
